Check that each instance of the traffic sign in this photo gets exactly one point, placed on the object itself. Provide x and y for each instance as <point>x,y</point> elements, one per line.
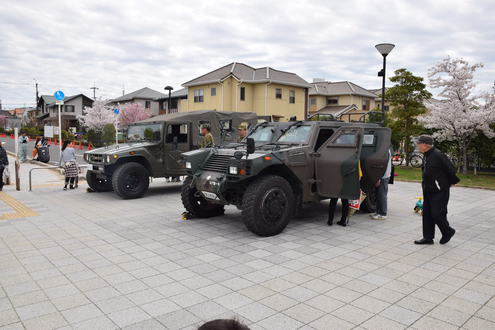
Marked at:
<point>116,111</point>
<point>59,102</point>
<point>59,95</point>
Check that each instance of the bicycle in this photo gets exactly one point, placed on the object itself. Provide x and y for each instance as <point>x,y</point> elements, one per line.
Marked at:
<point>415,159</point>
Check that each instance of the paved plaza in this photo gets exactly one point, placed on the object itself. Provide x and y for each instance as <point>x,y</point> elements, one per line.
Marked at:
<point>72,259</point>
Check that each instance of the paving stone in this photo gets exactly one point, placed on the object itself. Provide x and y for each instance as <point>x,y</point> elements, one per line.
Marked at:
<point>304,313</point>
<point>280,322</point>
<point>331,322</point>
<point>48,321</point>
<point>128,316</point>
<point>401,315</point>
<point>81,313</point>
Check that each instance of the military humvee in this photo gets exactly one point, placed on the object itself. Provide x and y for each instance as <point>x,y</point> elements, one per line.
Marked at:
<point>154,147</point>
<point>309,162</point>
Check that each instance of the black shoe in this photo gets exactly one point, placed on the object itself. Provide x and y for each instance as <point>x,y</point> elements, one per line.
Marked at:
<point>330,223</point>
<point>65,187</point>
<point>71,187</point>
<point>424,241</point>
<point>342,223</point>
<point>446,239</point>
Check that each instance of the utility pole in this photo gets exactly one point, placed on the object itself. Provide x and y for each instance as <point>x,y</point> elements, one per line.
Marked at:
<point>37,95</point>
<point>94,88</point>
<point>123,91</point>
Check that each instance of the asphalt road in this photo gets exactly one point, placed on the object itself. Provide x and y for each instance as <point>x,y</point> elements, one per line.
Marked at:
<point>54,151</point>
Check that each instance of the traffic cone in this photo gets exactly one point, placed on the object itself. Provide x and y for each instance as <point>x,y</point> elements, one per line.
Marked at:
<point>50,143</point>
<point>89,146</point>
<point>56,142</point>
<point>12,136</point>
<point>80,145</point>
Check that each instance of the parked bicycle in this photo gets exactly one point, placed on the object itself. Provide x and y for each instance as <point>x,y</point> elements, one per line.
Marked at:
<point>415,159</point>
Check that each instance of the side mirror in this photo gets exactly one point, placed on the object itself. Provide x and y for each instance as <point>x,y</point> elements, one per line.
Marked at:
<point>251,146</point>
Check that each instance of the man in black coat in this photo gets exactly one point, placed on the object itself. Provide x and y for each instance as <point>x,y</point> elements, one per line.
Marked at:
<point>438,176</point>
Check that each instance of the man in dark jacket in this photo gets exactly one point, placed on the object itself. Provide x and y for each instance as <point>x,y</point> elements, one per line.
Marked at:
<point>4,162</point>
<point>438,176</point>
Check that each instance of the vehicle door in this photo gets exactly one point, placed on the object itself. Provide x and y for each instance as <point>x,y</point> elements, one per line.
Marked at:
<point>336,168</point>
<point>177,140</point>
<point>374,155</point>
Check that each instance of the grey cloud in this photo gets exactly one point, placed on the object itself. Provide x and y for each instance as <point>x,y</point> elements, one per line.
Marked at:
<point>158,43</point>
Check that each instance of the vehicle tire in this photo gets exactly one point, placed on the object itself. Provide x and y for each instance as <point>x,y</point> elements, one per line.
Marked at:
<point>130,180</point>
<point>268,205</point>
<point>97,184</point>
<point>196,204</point>
<point>368,205</point>
<point>416,161</point>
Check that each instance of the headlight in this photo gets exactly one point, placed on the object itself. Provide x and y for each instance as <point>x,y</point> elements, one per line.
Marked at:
<point>232,169</point>
<point>109,158</point>
<point>188,165</point>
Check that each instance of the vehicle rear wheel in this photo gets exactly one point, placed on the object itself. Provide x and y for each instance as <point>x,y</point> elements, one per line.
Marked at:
<point>268,205</point>
<point>368,205</point>
<point>97,184</point>
<point>196,204</point>
<point>130,180</point>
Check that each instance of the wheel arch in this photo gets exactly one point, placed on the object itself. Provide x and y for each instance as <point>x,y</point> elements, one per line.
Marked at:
<point>284,172</point>
<point>135,159</point>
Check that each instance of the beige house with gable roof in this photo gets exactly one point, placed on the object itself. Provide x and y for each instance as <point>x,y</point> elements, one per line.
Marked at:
<point>240,87</point>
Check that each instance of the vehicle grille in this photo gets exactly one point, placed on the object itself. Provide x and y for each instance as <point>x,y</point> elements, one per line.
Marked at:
<point>95,158</point>
<point>217,163</point>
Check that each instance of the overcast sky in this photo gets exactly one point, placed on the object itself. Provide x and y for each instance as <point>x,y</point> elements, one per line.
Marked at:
<point>69,45</point>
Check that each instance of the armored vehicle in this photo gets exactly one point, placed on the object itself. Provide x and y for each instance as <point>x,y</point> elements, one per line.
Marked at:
<point>269,182</point>
<point>154,147</point>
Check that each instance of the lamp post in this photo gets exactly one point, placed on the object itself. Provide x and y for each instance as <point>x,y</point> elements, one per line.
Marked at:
<point>384,49</point>
<point>169,89</point>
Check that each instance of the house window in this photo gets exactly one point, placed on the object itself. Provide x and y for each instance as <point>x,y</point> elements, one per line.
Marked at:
<point>366,105</point>
<point>278,93</point>
<point>386,108</point>
<point>198,95</point>
<point>213,91</point>
<point>147,104</point>
<point>70,108</point>
<point>313,101</point>
<point>332,101</point>
<point>243,93</point>
<point>292,96</point>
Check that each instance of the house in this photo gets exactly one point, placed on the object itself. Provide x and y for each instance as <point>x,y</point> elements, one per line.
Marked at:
<point>146,97</point>
<point>175,100</point>
<point>339,99</point>
<point>72,108</point>
<point>270,93</point>
<point>378,99</point>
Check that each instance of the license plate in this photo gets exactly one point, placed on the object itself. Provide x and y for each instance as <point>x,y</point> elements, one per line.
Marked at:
<point>209,195</point>
<point>93,167</point>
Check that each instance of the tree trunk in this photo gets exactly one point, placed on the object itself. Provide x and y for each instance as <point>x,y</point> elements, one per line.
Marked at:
<point>464,159</point>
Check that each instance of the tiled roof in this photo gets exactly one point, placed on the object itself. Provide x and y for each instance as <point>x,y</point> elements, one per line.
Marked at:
<point>178,93</point>
<point>247,74</point>
<point>338,88</point>
<point>143,93</point>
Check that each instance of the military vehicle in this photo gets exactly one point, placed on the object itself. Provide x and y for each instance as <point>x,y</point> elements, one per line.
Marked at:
<point>269,182</point>
<point>153,149</point>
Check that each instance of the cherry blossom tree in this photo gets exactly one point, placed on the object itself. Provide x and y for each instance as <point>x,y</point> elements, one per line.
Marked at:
<point>461,114</point>
<point>131,113</point>
<point>96,117</point>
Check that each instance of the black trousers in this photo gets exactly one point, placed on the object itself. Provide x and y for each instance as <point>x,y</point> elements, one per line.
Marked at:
<point>1,178</point>
<point>333,205</point>
<point>435,213</point>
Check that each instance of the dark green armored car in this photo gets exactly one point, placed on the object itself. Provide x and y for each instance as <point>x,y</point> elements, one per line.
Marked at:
<point>309,161</point>
<point>154,147</point>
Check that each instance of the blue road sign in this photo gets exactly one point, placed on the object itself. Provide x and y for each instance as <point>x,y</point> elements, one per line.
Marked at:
<point>116,111</point>
<point>59,95</point>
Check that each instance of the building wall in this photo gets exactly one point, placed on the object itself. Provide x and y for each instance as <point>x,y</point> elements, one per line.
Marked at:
<point>259,98</point>
<point>321,101</point>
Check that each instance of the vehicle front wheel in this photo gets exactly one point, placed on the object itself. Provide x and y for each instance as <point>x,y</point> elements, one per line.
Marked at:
<point>268,205</point>
<point>130,180</point>
<point>97,184</point>
<point>196,204</point>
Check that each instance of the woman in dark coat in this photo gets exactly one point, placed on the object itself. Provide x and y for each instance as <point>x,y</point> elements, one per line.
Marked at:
<point>4,162</point>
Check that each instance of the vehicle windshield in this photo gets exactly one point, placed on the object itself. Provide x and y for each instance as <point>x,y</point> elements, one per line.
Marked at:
<point>262,134</point>
<point>151,132</point>
<point>296,134</point>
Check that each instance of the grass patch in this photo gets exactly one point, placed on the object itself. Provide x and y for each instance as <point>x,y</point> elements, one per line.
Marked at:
<point>482,180</point>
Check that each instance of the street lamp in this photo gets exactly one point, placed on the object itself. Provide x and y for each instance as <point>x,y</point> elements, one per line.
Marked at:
<point>169,89</point>
<point>384,49</point>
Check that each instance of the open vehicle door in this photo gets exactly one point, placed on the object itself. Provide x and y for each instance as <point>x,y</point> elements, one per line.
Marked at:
<point>374,155</point>
<point>177,140</point>
<point>337,173</point>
